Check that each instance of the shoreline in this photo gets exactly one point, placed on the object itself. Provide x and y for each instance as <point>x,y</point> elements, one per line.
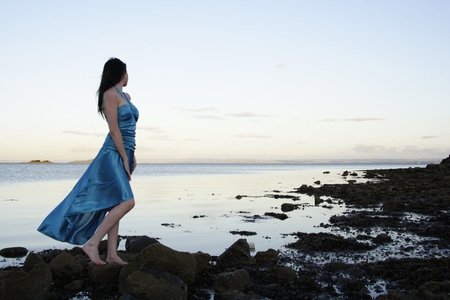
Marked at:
<point>390,201</point>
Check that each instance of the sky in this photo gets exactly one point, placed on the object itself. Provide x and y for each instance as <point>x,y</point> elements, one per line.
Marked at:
<point>247,80</point>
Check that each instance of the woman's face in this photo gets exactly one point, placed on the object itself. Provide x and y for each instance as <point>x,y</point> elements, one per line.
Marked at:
<point>125,79</point>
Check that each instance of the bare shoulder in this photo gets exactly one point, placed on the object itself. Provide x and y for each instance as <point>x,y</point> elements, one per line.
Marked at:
<point>128,96</point>
<point>110,95</point>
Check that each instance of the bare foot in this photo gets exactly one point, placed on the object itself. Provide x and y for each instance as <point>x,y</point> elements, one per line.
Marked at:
<point>92,253</point>
<point>116,260</point>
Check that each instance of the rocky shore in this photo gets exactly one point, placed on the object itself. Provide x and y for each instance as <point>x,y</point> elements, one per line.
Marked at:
<point>392,243</point>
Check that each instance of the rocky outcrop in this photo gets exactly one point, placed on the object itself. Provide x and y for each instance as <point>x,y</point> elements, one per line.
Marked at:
<point>160,257</point>
<point>31,282</point>
<point>65,265</point>
<point>149,284</point>
<point>232,281</point>
<point>236,254</point>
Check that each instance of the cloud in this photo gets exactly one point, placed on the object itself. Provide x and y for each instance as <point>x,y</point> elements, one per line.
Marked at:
<point>257,136</point>
<point>409,150</point>
<point>207,117</point>
<point>201,109</point>
<point>364,119</point>
<point>150,128</point>
<point>429,137</point>
<point>246,114</point>
<point>281,65</point>
<point>82,133</point>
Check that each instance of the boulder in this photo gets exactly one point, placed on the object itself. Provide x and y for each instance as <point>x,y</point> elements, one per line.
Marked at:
<point>236,254</point>
<point>155,284</point>
<point>136,244</point>
<point>382,238</point>
<point>284,273</point>
<point>232,281</point>
<point>18,284</point>
<point>13,252</point>
<point>287,207</point>
<point>31,261</point>
<point>161,257</point>
<point>202,259</point>
<point>75,285</point>
<point>105,274</point>
<point>270,255</point>
<point>65,266</point>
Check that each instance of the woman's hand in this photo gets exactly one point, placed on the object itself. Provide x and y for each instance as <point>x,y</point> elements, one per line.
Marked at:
<point>126,167</point>
<point>134,164</point>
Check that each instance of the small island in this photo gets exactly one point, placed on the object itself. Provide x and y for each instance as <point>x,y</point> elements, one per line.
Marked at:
<point>37,161</point>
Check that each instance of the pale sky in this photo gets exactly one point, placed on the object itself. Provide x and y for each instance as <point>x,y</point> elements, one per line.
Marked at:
<point>263,80</point>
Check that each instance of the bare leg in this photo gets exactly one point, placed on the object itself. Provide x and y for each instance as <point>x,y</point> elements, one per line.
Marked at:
<point>111,220</point>
<point>112,256</point>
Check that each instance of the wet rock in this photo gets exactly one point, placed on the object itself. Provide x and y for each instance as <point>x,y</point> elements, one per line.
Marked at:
<point>201,261</point>
<point>232,281</point>
<point>326,242</point>
<point>161,257</point>
<point>148,284</point>
<point>65,266</point>
<point>281,217</point>
<point>287,207</point>
<point>105,274</point>
<point>75,285</point>
<point>13,252</point>
<point>31,261</point>
<point>270,255</point>
<point>243,232</point>
<point>136,244</point>
<point>382,238</point>
<point>18,284</point>
<point>284,273</point>
<point>236,254</point>
<point>393,206</point>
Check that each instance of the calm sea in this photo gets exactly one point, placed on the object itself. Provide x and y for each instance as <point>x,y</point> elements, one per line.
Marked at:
<point>189,207</point>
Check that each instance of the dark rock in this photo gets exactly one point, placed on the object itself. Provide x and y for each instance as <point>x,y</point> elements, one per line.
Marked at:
<point>317,182</point>
<point>236,254</point>
<point>105,274</point>
<point>270,255</point>
<point>31,261</point>
<point>136,244</point>
<point>161,257</point>
<point>243,232</point>
<point>148,284</point>
<point>65,266</point>
<point>18,284</point>
<point>75,285</point>
<point>286,207</point>
<point>232,281</point>
<point>382,238</point>
<point>201,261</point>
<point>326,242</point>
<point>14,252</point>
<point>284,273</point>
<point>393,206</point>
<point>281,217</point>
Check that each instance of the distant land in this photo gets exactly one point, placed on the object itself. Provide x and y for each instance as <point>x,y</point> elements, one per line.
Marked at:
<point>37,161</point>
<point>86,161</point>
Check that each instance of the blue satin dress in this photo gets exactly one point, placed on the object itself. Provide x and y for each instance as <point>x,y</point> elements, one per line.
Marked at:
<point>103,186</point>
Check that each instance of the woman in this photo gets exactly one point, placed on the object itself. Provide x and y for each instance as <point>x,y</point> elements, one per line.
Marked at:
<point>103,194</point>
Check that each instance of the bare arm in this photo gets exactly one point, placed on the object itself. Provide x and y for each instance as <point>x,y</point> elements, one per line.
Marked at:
<point>111,103</point>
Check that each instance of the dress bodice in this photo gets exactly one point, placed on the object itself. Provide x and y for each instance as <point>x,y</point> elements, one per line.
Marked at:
<point>127,116</point>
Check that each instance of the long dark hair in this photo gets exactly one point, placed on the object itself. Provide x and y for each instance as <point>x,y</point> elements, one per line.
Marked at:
<point>113,72</point>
